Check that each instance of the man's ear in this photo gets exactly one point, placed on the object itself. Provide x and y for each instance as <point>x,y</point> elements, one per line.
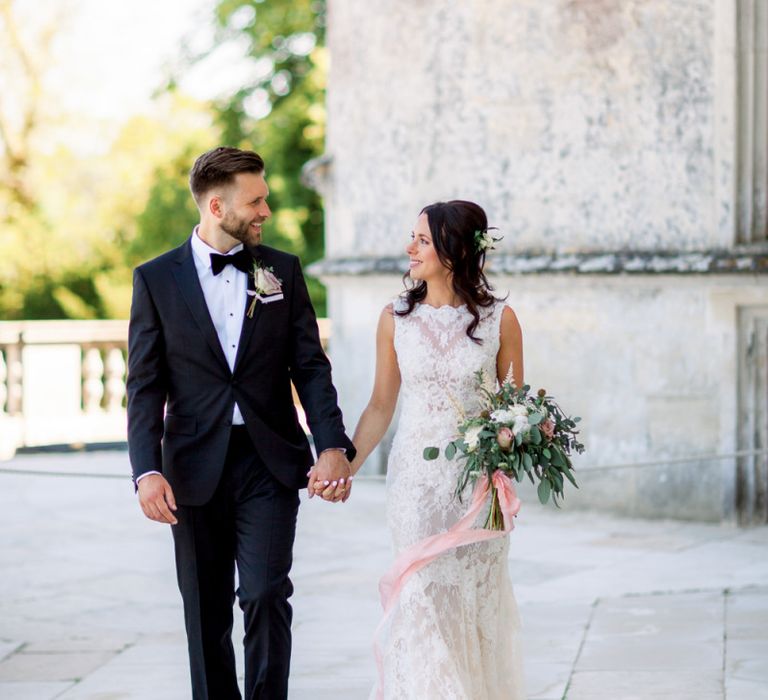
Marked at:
<point>216,206</point>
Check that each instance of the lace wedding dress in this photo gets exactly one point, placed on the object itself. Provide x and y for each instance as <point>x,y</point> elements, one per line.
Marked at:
<point>454,632</point>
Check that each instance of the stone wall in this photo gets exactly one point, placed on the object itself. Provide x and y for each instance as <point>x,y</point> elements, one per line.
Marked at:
<point>648,363</point>
<point>580,124</point>
<point>601,136</point>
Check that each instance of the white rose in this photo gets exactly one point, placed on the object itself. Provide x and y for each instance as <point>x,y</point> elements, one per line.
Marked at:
<point>486,241</point>
<point>518,410</point>
<point>503,415</point>
<point>521,425</point>
<point>472,437</point>
<point>259,280</point>
<point>265,281</point>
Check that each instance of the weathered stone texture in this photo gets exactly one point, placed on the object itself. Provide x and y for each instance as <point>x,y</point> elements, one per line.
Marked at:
<point>580,124</point>
<point>602,138</point>
<point>647,362</point>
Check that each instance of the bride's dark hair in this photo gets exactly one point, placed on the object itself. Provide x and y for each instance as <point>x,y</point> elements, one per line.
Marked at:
<point>454,226</point>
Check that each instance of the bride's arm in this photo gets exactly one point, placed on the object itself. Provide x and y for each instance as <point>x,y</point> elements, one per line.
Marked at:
<point>510,355</point>
<point>378,413</point>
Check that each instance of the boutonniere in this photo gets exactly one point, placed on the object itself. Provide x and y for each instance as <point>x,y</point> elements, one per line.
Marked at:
<point>266,286</point>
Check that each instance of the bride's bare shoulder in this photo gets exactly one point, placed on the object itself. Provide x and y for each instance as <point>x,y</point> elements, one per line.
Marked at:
<point>395,306</point>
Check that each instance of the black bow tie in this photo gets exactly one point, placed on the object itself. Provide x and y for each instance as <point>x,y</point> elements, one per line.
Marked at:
<point>242,260</point>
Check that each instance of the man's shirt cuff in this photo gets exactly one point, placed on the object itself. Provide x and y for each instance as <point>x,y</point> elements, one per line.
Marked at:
<point>138,479</point>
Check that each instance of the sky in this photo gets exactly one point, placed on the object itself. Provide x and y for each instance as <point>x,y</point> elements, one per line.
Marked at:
<point>110,56</point>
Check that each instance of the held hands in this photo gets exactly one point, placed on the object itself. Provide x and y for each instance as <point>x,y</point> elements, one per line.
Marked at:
<point>156,499</point>
<point>330,478</point>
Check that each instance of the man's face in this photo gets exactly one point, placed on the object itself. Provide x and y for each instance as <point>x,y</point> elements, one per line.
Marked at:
<point>244,208</point>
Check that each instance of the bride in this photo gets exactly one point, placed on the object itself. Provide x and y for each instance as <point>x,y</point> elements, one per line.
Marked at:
<point>453,631</point>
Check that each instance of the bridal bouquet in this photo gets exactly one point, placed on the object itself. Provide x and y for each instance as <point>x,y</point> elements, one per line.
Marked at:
<point>519,434</point>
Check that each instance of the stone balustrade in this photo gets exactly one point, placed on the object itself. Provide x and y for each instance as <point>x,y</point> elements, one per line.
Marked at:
<point>63,382</point>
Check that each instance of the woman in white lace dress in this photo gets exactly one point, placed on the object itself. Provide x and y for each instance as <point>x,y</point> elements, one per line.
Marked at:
<point>453,633</point>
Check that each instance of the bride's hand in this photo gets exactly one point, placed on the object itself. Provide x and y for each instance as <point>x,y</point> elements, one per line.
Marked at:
<point>330,475</point>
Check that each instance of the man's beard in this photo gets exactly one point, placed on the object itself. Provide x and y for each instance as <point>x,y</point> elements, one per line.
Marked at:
<point>239,229</point>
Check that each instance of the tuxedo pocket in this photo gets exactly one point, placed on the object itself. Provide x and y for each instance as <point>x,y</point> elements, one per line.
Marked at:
<point>181,425</point>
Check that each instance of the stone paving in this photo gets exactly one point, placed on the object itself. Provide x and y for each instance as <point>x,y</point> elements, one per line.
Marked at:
<point>612,609</point>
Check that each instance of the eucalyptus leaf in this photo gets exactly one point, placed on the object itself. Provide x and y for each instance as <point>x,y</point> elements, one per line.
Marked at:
<point>569,476</point>
<point>527,461</point>
<point>535,418</point>
<point>450,450</point>
<point>535,435</point>
<point>544,491</point>
<point>431,453</point>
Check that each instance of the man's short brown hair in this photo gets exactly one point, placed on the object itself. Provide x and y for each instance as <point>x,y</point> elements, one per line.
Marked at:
<point>219,167</point>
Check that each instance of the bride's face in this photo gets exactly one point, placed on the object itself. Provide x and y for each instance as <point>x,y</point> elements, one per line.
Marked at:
<point>424,263</point>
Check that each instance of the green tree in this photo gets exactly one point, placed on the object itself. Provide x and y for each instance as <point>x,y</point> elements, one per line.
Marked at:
<point>280,113</point>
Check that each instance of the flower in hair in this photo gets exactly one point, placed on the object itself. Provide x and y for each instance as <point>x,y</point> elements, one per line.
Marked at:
<point>484,241</point>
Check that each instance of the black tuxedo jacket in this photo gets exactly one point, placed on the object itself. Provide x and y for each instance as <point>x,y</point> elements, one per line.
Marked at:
<point>181,392</point>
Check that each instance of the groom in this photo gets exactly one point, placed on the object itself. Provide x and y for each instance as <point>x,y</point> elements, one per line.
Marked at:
<point>219,329</point>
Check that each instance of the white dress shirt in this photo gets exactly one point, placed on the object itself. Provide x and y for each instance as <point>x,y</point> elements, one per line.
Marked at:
<point>225,296</point>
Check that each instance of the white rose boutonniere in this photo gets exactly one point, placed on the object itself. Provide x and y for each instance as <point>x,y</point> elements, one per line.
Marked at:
<point>266,287</point>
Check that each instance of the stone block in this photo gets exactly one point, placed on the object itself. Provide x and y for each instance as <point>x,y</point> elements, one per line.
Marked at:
<point>31,690</point>
<point>53,666</point>
<point>645,685</point>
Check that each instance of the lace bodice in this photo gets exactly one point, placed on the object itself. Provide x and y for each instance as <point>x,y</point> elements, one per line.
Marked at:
<point>438,362</point>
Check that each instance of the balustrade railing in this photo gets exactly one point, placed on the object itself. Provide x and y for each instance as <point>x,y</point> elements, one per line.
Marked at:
<point>63,382</point>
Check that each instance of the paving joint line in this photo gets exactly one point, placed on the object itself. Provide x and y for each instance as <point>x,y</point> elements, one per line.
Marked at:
<point>726,594</point>
<point>688,591</point>
<point>593,609</point>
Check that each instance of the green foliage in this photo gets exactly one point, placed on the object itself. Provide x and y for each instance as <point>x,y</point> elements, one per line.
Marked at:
<point>285,38</point>
<point>69,252</point>
<point>169,215</point>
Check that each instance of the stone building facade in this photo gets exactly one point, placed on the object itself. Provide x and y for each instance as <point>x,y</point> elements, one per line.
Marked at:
<point>620,148</point>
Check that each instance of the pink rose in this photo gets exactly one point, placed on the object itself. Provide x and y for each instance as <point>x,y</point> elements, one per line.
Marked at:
<point>505,437</point>
<point>548,428</point>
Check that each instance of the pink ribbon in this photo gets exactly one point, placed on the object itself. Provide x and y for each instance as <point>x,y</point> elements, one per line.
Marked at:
<point>418,555</point>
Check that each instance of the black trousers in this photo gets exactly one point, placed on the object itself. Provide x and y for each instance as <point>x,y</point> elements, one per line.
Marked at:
<point>250,523</point>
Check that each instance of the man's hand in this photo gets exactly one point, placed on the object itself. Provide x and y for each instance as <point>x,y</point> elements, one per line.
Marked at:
<point>330,477</point>
<point>156,499</point>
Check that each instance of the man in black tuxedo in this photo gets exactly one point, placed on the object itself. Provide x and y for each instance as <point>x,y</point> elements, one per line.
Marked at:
<point>219,329</point>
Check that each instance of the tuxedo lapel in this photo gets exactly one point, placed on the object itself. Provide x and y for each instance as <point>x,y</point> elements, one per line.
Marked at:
<point>186,276</point>
<point>248,323</point>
